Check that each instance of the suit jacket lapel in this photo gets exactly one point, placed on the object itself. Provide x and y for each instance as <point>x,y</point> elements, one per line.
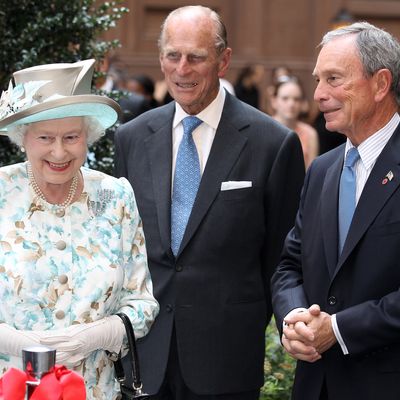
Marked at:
<point>375,194</point>
<point>159,150</point>
<point>227,145</point>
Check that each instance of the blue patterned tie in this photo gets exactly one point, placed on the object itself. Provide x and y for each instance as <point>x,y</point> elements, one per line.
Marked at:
<point>347,195</point>
<point>186,182</point>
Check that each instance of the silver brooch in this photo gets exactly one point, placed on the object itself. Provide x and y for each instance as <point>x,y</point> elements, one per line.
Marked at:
<point>104,196</point>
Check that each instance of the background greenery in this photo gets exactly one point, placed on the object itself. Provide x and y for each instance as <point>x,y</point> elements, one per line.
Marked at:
<point>37,32</point>
<point>278,368</point>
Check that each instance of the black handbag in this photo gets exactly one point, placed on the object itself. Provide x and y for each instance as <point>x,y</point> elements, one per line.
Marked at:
<point>134,391</point>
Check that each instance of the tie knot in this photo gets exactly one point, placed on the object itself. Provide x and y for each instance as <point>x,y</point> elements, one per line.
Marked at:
<point>351,157</point>
<point>190,124</point>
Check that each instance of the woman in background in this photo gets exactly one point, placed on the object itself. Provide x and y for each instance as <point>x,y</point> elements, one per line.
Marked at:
<point>287,103</point>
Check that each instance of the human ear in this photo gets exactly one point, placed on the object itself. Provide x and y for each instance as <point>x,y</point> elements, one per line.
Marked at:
<point>383,82</point>
<point>224,62</point>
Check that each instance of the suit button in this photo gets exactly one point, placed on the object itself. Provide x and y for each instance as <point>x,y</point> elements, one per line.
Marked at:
<point>178,268</point>
<point>332,300</point>
<point>169,308</point>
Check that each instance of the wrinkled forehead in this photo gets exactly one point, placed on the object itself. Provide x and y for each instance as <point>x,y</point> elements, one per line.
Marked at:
<point>191,29</point>
<point>339,53</point>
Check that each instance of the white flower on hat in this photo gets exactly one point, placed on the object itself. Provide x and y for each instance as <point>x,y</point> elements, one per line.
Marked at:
<point>22,96</point>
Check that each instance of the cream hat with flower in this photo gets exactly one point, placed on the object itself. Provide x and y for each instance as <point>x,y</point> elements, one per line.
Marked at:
<point>54,91</point>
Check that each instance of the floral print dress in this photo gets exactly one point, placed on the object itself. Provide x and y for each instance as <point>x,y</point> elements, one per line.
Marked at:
<point>79,264</point>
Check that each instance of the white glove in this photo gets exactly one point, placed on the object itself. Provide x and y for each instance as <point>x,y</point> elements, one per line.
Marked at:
<point>12,340</point>
<point>75,343</point>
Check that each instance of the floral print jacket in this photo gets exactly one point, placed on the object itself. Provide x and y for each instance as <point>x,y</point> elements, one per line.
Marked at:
<point>79,264</point>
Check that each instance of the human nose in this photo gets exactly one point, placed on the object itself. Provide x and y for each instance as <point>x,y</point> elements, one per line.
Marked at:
<point>58,149</point>
<point>183,66</point>
<point>320,92</point>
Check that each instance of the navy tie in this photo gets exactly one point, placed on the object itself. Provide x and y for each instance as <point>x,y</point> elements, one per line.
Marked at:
<point>186,182</point>
<point>347,195</point>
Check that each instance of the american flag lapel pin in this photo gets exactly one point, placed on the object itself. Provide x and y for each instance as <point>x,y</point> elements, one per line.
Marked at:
<point>389,176</point>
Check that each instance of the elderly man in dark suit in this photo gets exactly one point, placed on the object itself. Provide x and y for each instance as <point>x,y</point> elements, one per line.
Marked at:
<point>336,289</point>
<point>217,184</point>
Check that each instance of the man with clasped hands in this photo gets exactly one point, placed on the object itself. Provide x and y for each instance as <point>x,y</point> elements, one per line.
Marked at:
<point>336,290</point>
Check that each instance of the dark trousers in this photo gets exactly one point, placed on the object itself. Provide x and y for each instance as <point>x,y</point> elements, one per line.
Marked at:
<point>324,392</point>
<point>174,387</point>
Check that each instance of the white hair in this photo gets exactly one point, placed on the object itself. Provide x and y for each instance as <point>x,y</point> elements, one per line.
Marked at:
<point>94,131</point>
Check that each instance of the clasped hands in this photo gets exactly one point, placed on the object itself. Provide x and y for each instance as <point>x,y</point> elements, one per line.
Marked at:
<point>308,333</point>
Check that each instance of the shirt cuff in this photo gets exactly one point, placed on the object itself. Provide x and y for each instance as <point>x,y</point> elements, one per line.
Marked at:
<point>338,335</point>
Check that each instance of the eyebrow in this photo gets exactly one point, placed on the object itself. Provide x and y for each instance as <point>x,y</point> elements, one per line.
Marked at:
<point>196,52</point>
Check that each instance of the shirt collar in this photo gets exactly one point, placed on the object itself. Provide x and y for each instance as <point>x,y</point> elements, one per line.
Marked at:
<point>370,148</point>
<point>211,115</point>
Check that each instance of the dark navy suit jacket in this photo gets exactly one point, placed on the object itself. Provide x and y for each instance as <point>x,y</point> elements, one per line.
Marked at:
<point>216,292</point>
<point>361,286</point>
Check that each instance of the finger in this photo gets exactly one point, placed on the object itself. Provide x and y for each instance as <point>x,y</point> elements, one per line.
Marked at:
<point>68,347</point>
<point>291,334</point>
<point>299,356</point>
<point>54,339</point>
<point>304,331</point>
<point>315,310</point>
<point>297,347</point>
<point>62,357</point>
<point>69,360</point>
<point>300,332</point>
<point>298,317</point>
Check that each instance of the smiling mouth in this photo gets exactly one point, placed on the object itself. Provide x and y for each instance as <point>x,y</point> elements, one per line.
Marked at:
<point>186,85</point>
<point>59,167</point>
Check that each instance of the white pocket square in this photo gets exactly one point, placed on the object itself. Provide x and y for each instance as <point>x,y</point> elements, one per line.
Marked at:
<point>231,185</point>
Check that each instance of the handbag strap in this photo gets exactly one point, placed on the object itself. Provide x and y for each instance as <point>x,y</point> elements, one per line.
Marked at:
<point>134,360</point>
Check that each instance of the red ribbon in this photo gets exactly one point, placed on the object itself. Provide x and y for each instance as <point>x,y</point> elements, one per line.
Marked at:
<point>60,384</point>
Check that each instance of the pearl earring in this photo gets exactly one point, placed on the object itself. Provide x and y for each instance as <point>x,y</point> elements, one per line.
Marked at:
<point>22,148</point>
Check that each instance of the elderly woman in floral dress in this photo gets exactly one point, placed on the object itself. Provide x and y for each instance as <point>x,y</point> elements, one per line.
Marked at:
<point>72,250</point>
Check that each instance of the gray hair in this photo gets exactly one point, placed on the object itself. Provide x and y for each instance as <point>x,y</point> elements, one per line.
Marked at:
<point>94,131</point>
<point>221,38</point>
<point>377,49</point>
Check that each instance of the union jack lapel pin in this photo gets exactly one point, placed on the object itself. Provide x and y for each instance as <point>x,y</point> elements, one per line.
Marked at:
<point>389,176</point>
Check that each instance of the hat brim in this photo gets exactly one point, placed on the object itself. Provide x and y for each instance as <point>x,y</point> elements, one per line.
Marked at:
<point>104,109</point>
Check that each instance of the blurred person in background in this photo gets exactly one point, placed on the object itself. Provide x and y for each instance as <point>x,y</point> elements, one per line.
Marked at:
<point>247,85</point>
<point>278,74</point>
<point>287,101</point>
<point>143,85</point>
